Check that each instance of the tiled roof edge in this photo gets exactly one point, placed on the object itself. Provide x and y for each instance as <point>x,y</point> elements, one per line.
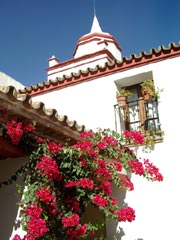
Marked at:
<point>153,55</point>
<point>10,95</point>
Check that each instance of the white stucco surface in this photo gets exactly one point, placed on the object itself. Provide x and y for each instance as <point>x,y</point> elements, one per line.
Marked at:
<point>156,203</point>
<point>6,80</point>
<point>9,197</point>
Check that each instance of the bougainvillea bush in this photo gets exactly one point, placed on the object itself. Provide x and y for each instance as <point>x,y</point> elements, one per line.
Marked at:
<point>63,180</point>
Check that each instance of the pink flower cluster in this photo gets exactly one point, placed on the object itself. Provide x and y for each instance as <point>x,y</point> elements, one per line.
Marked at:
<point>110,141</point>
<point>126,183</point>
<point>54,147</point>
<point>126,214</point>
<point>84,183</point>
<point>15,130</point>
<point>87,148</point>
<point>118,166</point>
<point>114,201</point>
<point>36,226</point>
<point>45,195</point>
<point>82,161</point>
<point>29,128</point>
<point>77,233</point>
<point>152,171</point>
<point>101,145</point>
<point>71,221</point>
<point>17,237</point>
<point>86,134</point>
<point>136,167</point>
<point>100,200</point>
<point>102,169</point>
<point>49,167</point>
<point>101,159</point>
<point>106,187</point>
<point>134,137</point>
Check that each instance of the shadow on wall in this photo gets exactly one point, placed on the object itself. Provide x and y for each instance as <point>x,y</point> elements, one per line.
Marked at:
<point>9,197</point>
<point>113,231</point>
<point>93,215</point>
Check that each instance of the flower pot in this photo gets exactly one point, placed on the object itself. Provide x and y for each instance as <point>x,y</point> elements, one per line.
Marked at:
<point>147,94</point>
<point>122,101</point>
<point>122,173</point>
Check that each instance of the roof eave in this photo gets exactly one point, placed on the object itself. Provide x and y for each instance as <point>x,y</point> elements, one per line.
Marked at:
<point>49,125</point>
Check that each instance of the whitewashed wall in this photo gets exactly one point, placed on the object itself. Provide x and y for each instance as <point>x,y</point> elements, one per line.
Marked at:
<point>9,197</point>
<point>90,103</point>
<point>156,204</point>
<point>6,80</point>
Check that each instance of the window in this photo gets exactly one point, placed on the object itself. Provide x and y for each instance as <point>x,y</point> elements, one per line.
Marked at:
<point>138,115</point>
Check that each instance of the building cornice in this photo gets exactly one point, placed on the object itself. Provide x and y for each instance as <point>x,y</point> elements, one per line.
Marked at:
<point>109,68</point>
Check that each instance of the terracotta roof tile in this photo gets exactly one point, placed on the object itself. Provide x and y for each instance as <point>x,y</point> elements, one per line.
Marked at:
<point>49,123</point>
<point>154,55</point>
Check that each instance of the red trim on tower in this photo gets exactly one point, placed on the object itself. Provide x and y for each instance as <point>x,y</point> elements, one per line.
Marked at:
<point>80,59</point>
<point>82,64</point>
<point>96,37</point>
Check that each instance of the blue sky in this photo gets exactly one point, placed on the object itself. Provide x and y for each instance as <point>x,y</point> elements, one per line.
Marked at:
<point>32,31</point>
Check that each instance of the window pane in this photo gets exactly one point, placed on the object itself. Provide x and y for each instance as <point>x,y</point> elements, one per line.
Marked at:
<point>152,118</point>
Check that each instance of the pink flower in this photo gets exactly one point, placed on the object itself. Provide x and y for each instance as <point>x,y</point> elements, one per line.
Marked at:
<point>86,134</point>
<point>84,183</point>
<point>153,171</point>
<point>106,186</point>
<point>34,211</point>
<point>126,214</point>
<point>71,221</point>
<point>15,131</point>
<point>101,145</point>
<point>82,161</point>
<point>87,148</point>
<point>36,226</point>
<point>114,201</point>
<point>102,170</point>
<point>16,237</point>
<point>46,196</point>
<point>28,128</point>
<point>49,167</point>
<point>77,233</point>
<point>134,136</point>
<point>41,140</point>
<point>54,147</point>
<point>110,141</point>
<point>118,166</point>
<point>127,183</point>
<point>100,201</point>
<point>136,167</point>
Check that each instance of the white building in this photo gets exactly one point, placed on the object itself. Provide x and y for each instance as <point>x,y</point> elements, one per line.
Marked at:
<point>84,88</point>
<point>6,80</point>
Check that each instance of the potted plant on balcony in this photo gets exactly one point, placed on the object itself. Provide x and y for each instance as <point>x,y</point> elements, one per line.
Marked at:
<point>122,95</point>
<point>149,90</point>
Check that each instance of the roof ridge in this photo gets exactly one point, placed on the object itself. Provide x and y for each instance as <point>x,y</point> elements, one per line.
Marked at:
<point>154,54</point>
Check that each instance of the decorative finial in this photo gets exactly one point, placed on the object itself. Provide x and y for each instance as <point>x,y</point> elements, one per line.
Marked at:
<point>95,26</point>
<point>94,7</point>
